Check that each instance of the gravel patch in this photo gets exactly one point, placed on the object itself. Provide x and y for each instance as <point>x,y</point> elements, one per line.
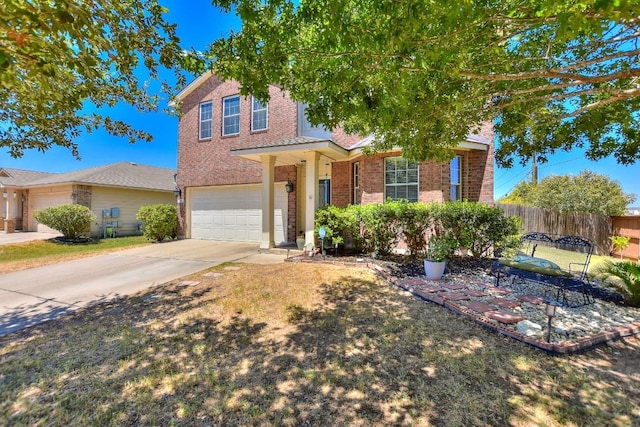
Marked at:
<point>526,300</point>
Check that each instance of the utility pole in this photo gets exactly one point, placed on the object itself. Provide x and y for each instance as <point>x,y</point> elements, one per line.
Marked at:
<point>534,169</point>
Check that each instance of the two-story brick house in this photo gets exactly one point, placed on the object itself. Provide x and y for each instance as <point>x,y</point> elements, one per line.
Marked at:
<point>253,172</point>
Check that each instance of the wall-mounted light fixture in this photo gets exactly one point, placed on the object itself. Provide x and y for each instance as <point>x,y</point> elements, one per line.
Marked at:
<point>289,186</point>
<point>177,192</point>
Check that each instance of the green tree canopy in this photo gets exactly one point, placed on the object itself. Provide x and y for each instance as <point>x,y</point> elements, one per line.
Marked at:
<point>58,57</point>
<point>586,192</point>
<point>422,74</point>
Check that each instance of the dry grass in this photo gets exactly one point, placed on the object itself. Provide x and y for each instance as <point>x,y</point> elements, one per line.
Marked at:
<point>37,253</point>
<point>300,344</point>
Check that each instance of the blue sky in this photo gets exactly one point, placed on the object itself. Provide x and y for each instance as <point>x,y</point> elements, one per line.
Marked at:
<point>200,23</point>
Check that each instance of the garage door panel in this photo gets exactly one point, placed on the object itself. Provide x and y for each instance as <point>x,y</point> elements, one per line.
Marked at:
<point>43,201</point>
<point>234,213</point>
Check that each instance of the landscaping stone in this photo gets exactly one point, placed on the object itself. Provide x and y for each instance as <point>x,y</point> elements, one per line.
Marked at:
<point>479,306</point>
<point>504,317</point>
<point>454,296</point>
<point>529,328</point>
<point>504,302</point>
<point>213,274</point>
<point>573,329</point>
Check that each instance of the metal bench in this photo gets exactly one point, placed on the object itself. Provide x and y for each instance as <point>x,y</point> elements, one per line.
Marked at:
<point>558,263</point>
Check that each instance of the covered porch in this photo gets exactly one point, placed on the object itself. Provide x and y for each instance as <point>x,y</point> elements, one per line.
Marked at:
<point>312,158</point>
<point>13,206</point>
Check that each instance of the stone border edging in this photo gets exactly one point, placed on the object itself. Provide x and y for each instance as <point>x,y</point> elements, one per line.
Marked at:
<point>565,348</point>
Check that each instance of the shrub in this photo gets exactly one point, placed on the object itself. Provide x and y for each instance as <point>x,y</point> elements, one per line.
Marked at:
<point>414,220</point>
<point>620,243</point>
<point>482,229</point>
<point>73,221</point>
<point>380,227</point>
<point>159,221</point>
<point>624,276</point>
<point>340,224</point>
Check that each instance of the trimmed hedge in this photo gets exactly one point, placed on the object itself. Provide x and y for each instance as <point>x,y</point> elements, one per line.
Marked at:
<point>378,228</point>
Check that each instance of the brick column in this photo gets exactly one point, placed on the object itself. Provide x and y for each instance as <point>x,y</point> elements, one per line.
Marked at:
<point>9,226</point>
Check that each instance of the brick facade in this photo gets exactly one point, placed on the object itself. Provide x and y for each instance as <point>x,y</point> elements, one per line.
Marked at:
<point>208,162</point>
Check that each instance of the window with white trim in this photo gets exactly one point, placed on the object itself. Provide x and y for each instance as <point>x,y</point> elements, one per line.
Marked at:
<point>400,179</point>
<point>456,187</point>
<point>259,115</point>
<point>231,115</point>
<point>206,120</point>
<point>356,183</point>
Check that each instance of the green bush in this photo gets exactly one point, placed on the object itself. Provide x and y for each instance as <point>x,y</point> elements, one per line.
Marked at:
<point>482,229</point>
<point>378,228</point>
<point>159,221</point>
<point>341,225</point>
<point>624,276</point>
<point>73,221</point>
<point>381,227</point>
<point>414,220</point>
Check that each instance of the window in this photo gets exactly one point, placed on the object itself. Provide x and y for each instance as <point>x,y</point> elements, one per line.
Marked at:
<point>206,120</point>
<point>325,192</point>
<point>456,188</point>
<point>401,179</point>
<point>356,183</point>
<point>259,119</point>
<point>231,116</point>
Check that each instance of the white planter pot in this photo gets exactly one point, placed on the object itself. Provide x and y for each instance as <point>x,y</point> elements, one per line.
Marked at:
<point>300,243</point>
<point>434,269</point>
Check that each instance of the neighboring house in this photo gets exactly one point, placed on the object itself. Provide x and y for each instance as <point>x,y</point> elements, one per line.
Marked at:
<point>253,172</point>
<point>114,193</point>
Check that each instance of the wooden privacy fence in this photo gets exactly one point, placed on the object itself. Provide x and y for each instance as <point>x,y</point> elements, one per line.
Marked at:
<point>597,228</point>
<point>628,226</point>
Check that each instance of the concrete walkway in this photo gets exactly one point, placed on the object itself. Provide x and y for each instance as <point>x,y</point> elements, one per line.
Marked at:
<point>36,295</point>
<point>24,236</point>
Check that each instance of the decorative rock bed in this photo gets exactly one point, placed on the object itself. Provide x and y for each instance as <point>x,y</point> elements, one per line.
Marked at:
<point>515,311</point>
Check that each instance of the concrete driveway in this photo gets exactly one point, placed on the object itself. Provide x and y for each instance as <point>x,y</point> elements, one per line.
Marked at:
<point>24,236</point>
<point>36,295</point>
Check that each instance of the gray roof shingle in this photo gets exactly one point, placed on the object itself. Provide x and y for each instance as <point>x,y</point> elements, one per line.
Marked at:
<point>123,174</point>
<point>19,177</point>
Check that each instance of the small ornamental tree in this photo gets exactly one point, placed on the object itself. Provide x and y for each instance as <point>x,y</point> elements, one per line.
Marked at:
<point>159,221</point>
<point>73,221</point>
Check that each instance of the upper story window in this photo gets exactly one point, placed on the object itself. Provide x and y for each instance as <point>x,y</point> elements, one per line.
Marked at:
<point>259,117</point>
<point>400,179</point>
<point>356,183</point>
<point>206,120</point>
<point>455,187</point>
<point>231,115</point>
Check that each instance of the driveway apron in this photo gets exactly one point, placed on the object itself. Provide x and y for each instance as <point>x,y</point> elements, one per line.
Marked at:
<point>36,295</point>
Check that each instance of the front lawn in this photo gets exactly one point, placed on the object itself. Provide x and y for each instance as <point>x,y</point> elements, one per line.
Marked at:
<point>20,256</point>
<point>300,344</point>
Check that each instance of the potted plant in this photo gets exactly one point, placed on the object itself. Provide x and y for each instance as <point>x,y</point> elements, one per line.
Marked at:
<point>439,249</point>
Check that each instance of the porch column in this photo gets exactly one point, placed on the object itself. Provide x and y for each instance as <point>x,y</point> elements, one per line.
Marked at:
<point>10,217</point>
<point>311,192</point>
<point>268,173</point>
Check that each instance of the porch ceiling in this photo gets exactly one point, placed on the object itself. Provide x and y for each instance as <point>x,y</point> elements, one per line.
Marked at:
<point>294,151</point>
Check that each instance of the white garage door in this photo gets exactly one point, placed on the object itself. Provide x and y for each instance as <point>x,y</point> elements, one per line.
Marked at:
<point>42,201</point>
<point>235,213</point>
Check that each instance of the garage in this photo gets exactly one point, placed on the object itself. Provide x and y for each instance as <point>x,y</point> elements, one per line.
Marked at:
<point>234,213</point>
<point>43,201</point>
